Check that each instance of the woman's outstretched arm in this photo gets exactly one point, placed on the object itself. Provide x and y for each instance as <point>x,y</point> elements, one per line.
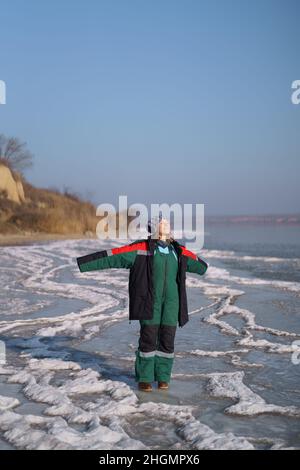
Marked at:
<point>194,263</point>
<point>121,257</point>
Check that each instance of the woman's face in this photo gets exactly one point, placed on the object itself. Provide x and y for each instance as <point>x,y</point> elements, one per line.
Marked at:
<point>164,228</point>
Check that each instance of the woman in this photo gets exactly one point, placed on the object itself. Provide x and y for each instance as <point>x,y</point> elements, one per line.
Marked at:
<point>157,296</point>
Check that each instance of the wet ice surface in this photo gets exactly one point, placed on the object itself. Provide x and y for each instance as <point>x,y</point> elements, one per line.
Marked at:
<point>68,381</point>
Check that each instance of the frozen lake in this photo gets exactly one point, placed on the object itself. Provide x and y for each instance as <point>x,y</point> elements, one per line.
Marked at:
<point>68,379</point>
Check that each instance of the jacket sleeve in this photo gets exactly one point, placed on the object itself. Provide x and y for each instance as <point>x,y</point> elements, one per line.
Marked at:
<point>195,264</point>
<point>121,257</point>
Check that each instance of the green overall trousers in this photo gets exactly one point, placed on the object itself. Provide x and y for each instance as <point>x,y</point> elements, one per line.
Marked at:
<point>155,353</point>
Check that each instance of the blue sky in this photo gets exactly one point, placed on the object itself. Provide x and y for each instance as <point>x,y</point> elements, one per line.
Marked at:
<point>163,100</point>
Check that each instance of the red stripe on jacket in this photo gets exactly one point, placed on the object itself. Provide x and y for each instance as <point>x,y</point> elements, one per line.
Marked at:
<point>129,248</point>
<point>188,253</point>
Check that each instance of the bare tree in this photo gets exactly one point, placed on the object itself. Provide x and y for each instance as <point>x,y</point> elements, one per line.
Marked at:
<point>15,154</point>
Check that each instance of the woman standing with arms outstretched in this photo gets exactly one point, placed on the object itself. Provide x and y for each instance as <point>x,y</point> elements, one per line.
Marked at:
<point>157,296</point>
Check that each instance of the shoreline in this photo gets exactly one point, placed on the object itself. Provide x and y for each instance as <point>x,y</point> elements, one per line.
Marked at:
<point>28,239</point>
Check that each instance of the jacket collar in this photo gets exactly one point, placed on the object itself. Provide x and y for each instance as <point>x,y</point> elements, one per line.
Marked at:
<point>175,244</point>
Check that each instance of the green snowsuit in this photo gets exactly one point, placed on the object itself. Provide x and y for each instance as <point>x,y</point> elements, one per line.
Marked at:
<point>155,353</point>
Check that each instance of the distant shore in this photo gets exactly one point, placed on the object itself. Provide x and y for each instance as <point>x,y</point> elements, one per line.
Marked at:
<point>26,239</point>
<point>246,220</point>
<point>272,219</point>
